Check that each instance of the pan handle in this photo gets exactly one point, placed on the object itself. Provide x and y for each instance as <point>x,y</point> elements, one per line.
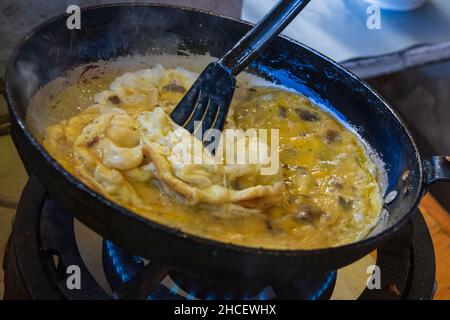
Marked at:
<point>436,169</point>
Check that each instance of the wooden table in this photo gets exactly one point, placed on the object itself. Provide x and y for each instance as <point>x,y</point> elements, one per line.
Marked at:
<point>438,221</point>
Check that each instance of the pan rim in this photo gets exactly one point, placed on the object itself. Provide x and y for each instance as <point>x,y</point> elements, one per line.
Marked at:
<point>382,235</point>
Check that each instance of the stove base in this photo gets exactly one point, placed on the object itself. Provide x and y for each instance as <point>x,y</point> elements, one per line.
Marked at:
<point>42,246</point>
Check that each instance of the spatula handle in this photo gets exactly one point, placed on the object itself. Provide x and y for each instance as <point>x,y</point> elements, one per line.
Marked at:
<point>262,34</point>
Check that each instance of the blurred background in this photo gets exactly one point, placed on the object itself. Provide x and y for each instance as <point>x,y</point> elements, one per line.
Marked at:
<point>406,58</point>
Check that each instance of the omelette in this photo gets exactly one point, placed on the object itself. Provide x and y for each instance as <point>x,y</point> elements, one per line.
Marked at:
<point>124,145</point>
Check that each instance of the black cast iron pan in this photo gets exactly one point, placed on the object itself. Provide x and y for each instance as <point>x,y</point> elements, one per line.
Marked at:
<point>112,31</point>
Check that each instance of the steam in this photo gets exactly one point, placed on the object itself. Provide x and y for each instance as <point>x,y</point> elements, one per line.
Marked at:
<point>28,72</point>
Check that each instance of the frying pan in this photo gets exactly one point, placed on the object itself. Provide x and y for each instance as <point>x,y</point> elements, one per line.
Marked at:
<point>112,31</point>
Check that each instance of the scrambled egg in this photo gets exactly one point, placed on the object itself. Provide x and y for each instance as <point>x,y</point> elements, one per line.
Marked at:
<point>128,136</point>
<point>125,146</point>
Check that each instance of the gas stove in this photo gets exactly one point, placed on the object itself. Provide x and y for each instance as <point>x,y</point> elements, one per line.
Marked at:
<point>47,244</point>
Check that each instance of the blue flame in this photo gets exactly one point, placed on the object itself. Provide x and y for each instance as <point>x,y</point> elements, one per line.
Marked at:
<point>324,287</point>
<point>210,296</point>
<point>163,292</point>
<point>191,295</point>
<point>174,289</point>
<point>117,264</point>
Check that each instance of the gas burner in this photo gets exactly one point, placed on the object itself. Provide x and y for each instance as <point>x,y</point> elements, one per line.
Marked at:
<point>120,268</point>
<point>43,243</point>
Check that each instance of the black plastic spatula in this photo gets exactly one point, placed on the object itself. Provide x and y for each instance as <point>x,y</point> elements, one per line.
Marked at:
<point>208,100</point>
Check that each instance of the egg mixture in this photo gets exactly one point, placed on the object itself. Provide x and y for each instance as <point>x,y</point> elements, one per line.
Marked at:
<point>125,146</point>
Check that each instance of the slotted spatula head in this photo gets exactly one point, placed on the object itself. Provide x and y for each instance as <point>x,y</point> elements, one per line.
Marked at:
<point>205,105</point>
<point>207,101</point>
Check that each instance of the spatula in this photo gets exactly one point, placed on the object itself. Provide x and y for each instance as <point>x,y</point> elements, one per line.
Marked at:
<point>206,103</point>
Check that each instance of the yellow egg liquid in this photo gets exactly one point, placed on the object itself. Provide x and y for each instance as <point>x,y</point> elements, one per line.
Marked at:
<point>332,194</point>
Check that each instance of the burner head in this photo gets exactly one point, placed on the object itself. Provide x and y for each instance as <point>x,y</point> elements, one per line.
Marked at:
<point>121,267</point>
